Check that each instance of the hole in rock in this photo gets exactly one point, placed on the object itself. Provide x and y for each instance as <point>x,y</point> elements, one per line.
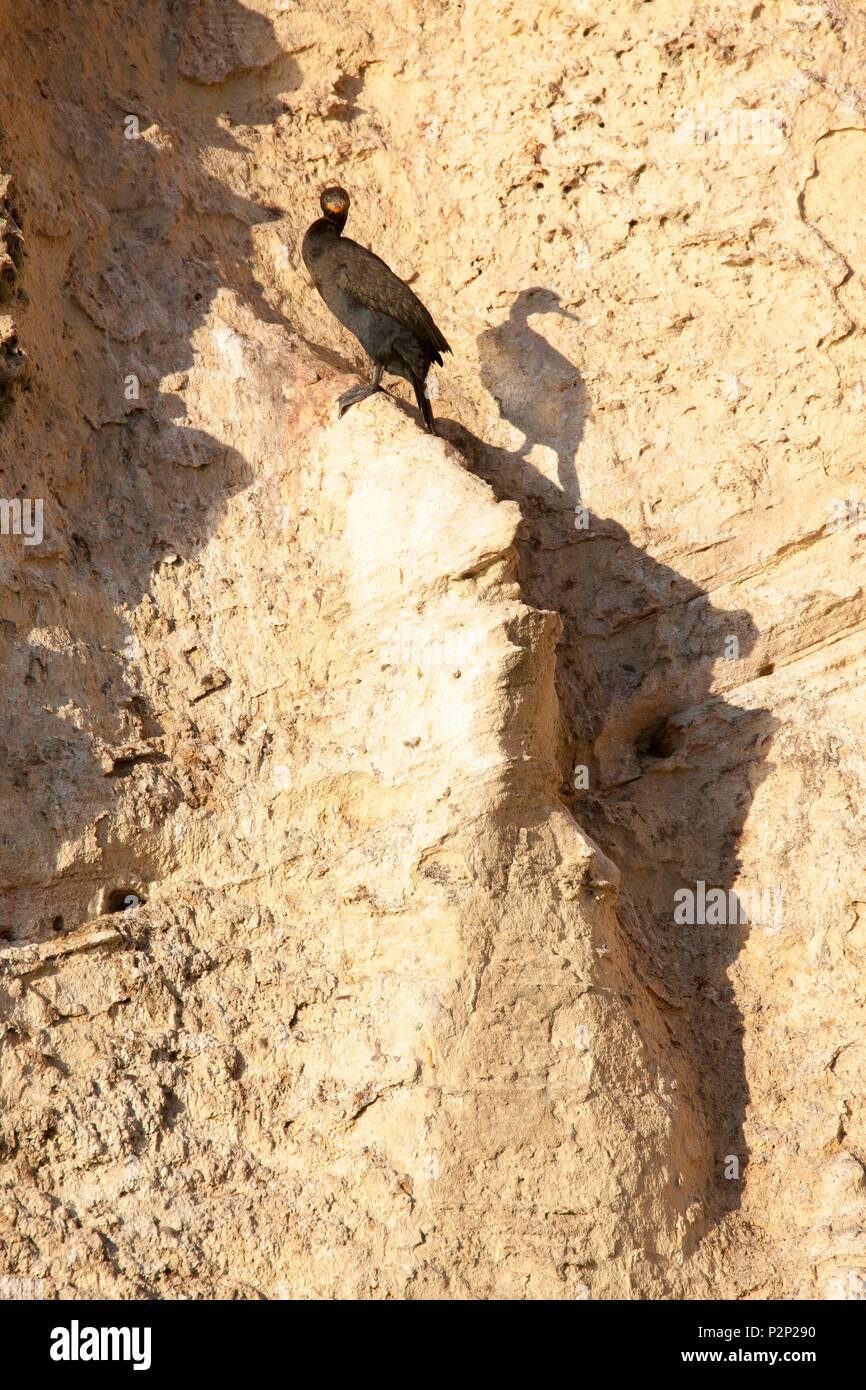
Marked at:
<point>658,740</point>
<point>122,899</point>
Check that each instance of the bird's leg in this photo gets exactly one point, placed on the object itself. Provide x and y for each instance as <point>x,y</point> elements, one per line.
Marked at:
<point>360,393</point>
<point>424,404</point>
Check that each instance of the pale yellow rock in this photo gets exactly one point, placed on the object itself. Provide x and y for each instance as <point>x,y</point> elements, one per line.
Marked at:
<point>353,777</point>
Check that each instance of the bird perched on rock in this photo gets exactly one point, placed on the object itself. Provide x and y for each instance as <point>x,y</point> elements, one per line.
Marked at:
<point>387,318</point>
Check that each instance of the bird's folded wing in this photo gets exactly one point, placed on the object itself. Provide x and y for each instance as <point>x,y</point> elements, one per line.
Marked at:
<point>369,280</point>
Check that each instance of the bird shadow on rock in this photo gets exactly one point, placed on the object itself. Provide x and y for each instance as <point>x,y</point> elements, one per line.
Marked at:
<point>658,766</point>
<point>535,387</point>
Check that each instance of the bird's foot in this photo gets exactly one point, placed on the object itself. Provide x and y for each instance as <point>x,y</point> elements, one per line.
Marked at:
<point>353,396</point>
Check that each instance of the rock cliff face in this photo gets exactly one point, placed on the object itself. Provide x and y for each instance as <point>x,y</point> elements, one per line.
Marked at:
<point>433,867</point>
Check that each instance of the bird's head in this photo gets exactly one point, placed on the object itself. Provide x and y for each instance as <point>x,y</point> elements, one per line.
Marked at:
<point>335,204</point>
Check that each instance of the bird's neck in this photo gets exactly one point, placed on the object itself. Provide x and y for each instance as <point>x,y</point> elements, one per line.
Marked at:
<point>330,226</point>
<point>323,233</point>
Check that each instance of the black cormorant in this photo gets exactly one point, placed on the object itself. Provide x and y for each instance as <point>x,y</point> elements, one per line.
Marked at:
<point>386,317</point>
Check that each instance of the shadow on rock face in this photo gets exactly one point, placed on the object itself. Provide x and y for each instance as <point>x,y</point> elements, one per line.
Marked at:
<point>658,766</point>
<point>130,481</point>
<point>536,388</point>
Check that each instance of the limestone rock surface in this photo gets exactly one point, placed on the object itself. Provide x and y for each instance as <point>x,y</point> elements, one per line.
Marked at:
<point>433,867</point>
